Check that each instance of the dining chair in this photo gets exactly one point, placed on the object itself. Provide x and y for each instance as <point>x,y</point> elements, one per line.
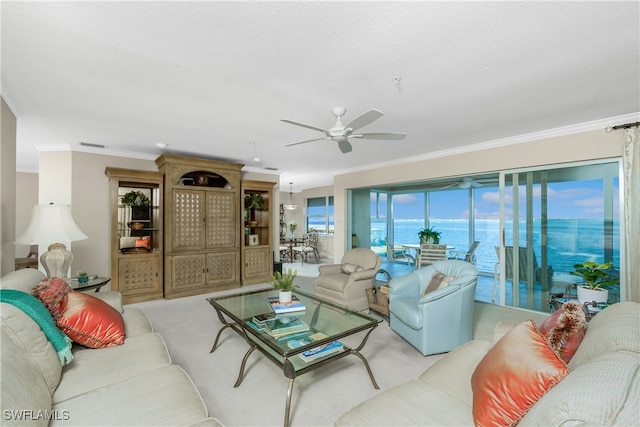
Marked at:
<point>469,255</point>
<point>398,253</point>
<point>309,246</point>
<point>430,252</point>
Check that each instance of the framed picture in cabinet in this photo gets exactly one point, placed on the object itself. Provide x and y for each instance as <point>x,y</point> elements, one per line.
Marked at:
<point>254,240</point>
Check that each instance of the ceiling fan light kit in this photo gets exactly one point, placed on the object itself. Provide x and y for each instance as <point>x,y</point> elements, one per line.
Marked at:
<point>341,134</point>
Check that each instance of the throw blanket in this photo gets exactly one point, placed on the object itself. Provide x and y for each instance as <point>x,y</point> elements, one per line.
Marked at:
<point>32,307</point>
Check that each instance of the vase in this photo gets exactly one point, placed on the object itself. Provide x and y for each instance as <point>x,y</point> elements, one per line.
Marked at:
<point>293,234</point>
<point>586,294</point>
<point>284,296</point>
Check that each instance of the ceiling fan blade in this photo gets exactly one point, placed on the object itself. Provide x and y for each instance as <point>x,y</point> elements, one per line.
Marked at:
<point>304,142</point>
<point>345,145</point>
<point>364,119</point>
<point>475,184</point>
<point>291,122</point>
<point>390,136</point>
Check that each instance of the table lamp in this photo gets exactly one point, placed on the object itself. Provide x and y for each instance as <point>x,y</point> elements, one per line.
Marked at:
<point>52,223</point>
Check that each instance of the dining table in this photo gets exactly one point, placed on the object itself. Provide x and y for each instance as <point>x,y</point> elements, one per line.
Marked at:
<point>288,244</point>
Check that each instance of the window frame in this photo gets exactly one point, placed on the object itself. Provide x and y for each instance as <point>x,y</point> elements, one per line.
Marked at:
<point>328,202</point>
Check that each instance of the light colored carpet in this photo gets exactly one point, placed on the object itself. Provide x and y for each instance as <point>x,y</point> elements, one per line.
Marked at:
<point>189,325</point>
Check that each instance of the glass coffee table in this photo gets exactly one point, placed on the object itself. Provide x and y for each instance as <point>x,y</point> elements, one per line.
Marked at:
<point>336,322</point>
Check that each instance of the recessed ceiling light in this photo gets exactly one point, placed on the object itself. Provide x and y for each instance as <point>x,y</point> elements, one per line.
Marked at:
<point>161,145</point>
<point>257,159</point>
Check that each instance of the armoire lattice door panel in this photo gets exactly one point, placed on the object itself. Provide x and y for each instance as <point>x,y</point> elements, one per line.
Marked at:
<point>138,275</point>
<point>222,268</point>
<point>189,213</point>
<point>187,271</point>
<point>221,220</point>
<point>256,262</point>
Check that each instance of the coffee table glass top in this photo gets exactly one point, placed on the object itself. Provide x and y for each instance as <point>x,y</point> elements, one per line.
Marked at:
<point>322,316</point>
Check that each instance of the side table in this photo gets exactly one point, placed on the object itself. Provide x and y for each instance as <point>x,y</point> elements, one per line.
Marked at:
<point>94,283</point>
<point>590,308</point>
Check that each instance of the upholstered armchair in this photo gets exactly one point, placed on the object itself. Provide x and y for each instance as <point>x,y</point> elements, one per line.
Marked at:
<point>440,320</point>
<point>345,283</point>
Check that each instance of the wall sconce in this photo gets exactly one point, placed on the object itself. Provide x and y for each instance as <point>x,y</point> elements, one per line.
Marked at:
<point>52,223</point>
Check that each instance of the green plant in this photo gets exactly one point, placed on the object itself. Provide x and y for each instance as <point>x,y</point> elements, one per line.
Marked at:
<point>284,282</point>
<point>429,233</point>
<point>83,277</point>
<point>595,275</point>
<point>254,201</point>
<point>135,198</point>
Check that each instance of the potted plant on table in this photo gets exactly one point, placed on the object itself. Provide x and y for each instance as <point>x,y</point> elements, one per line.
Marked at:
<point>292,228</point>
<point>429,235</point>
<point>283,283</point>
<point>595,278</point>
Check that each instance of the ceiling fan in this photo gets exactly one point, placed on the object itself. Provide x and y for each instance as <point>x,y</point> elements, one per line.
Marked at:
<point>341,133</point>
<point>466,183</point>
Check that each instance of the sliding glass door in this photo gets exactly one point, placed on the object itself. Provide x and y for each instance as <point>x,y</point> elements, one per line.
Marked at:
<point>552,219</point>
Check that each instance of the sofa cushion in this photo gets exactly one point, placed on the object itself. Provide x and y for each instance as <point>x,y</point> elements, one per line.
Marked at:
<point>413,403</point>
<point>91,322</point>
<point>602,392</point>
<point>24,391</point>
<point>22,280</point>
<point>32,344</point>
<point>564,329</point>
<point>602,337</point>
<point>513,375</point>
<point>91,369</point>
<point>161,397</point>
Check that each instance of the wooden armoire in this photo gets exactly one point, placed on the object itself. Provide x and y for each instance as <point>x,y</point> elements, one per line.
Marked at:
<point>202,246</point>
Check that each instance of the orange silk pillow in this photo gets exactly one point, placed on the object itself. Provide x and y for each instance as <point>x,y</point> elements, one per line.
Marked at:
<point>91,322</point>
<point>513,375</point>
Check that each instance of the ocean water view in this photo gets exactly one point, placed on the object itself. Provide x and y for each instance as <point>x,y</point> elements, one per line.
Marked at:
<point>569,241</point>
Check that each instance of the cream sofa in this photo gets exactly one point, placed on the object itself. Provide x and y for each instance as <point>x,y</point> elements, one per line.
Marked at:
<point>134,384</point>
<point>602,388</point>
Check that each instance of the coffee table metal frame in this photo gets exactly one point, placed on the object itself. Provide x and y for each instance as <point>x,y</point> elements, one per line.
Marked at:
<point>319,314</point>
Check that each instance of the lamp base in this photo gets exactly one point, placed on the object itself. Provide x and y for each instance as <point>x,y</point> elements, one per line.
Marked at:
<point>57,260</point>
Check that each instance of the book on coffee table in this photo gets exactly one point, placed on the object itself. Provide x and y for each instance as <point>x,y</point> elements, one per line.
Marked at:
<point>286,307</point>
<point>321,351</point>
<point>281,327</point>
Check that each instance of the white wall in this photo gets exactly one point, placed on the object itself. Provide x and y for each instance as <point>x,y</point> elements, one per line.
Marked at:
<point>27,196</point>
<point>7,188</point>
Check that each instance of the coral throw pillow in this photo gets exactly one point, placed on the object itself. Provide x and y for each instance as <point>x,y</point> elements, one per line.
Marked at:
<point>564,329</point>
<point>513,375</point>
<point>91,322</point>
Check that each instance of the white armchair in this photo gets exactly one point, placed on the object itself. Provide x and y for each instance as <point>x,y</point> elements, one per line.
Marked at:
<point>345,283</point>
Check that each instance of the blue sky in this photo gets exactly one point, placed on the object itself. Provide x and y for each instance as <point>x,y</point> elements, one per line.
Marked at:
<point>566,200</point>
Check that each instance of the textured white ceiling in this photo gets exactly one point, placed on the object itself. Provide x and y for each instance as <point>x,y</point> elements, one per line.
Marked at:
<point>208,77</point>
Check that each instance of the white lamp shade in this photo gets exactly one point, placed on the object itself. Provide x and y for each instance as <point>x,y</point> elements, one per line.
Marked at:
<point>51,224</point>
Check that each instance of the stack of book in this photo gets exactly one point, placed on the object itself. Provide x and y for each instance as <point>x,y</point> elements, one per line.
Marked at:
<point>316,352</point>
<point>294,305</point>
<point>284,326</point>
